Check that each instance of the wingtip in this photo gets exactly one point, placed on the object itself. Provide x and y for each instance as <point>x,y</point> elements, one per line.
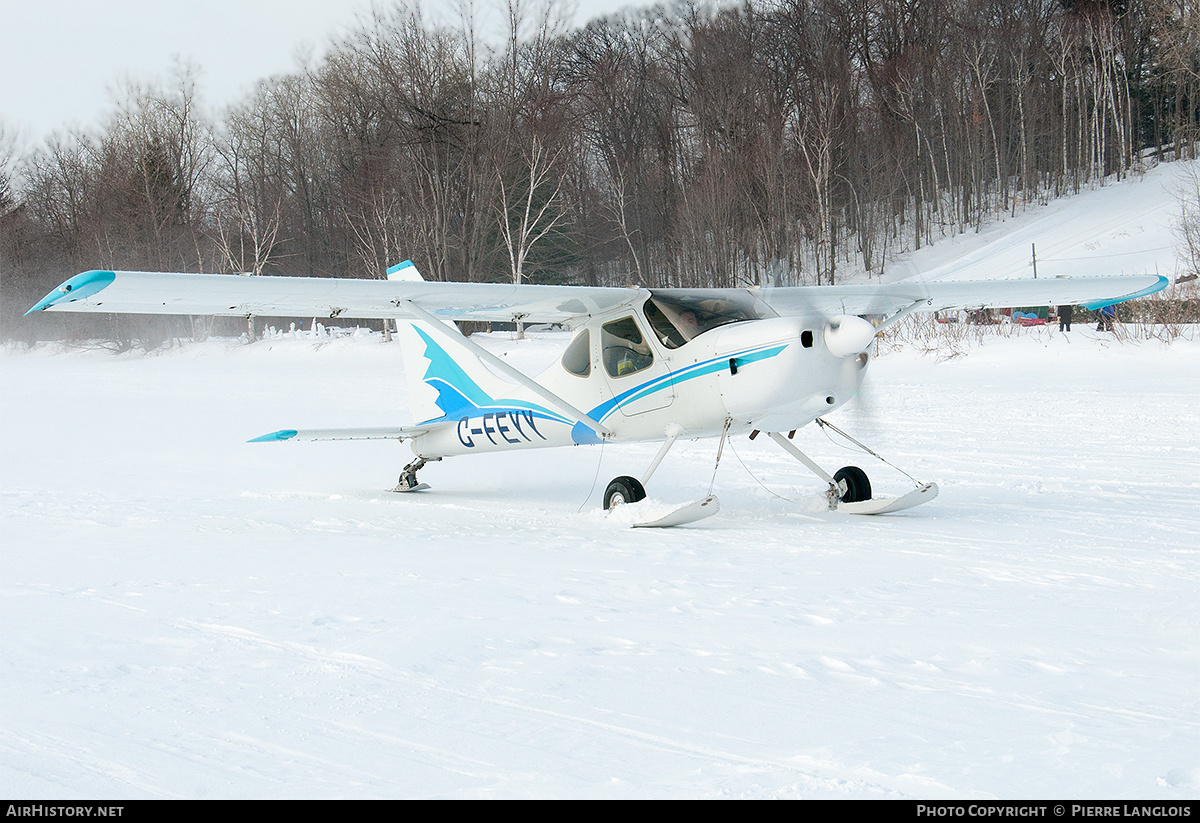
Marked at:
<point>1159,284</point>
<point>282,434</point>
<point>78,287</point>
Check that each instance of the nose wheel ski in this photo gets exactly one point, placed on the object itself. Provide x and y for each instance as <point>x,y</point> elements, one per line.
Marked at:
<point>849,487</point>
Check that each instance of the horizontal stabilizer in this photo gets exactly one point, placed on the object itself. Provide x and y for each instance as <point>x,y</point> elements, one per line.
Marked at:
<point>379,433</point>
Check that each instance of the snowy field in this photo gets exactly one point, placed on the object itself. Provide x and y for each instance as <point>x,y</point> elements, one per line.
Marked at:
<point>183,614</point>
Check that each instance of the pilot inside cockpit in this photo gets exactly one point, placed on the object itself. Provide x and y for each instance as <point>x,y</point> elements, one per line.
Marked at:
<point>680,320</point>
<point>625,352</point>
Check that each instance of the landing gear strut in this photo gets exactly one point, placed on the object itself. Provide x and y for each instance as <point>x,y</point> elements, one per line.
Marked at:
<point>840,488</point>
<point>625,489</point>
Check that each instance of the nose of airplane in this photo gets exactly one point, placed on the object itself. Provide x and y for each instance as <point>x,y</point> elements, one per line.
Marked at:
<point>847,335</point>
<point>798,378</point>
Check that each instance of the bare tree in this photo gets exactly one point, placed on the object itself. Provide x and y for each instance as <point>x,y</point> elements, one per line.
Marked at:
<point>8,156</point>
<point>528,133</point>
<point>1187,224</point>
<point>249,203</point>
<point>1176,27</point>
<point>161,142</point>
<point>530,208</point>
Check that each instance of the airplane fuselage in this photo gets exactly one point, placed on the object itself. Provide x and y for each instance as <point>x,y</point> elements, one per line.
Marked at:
<point>641,378</point>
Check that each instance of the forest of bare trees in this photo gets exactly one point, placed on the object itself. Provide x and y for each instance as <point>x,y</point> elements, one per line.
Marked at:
<point>776,141</point>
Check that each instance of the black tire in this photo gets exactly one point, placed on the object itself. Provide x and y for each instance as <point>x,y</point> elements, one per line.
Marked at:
<point>858,487</point>
<point>623,490</point>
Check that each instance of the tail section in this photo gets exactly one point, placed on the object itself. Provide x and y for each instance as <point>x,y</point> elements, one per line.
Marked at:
<point>447,381</point>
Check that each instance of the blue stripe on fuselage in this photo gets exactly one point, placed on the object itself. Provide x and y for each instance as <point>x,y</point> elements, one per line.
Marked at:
<point>582,434</point>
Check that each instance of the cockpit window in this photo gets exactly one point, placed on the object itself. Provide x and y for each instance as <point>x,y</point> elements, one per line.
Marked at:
<point>676,320</point>
<point>666,331</point>
<point>577,359</point>
<point>625,352</point>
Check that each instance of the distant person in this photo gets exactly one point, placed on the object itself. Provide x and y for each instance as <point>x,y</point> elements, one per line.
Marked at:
<point>1106,316</point>
<point>1064,317</point>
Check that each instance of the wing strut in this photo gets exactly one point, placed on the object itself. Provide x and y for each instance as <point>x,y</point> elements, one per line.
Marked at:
<point>542,392</point>
<point>900,315</point>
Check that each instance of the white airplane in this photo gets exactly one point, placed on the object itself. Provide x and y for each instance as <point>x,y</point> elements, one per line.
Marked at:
<point>644,364</point>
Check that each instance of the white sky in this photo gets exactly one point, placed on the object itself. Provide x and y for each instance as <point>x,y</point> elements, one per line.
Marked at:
<point>61,60</point>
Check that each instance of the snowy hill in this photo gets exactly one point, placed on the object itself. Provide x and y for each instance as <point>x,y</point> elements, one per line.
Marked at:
<point>1122,227</point>
<point>187,615</point>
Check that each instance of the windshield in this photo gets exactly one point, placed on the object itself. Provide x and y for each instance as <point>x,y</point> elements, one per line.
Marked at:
<point>678,319</point>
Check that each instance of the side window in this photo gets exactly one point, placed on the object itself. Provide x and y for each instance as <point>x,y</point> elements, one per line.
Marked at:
<point>577,359</point>
<point>625,352</point>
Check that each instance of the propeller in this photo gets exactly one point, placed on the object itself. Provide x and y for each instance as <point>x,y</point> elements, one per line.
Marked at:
<point>846,335</point>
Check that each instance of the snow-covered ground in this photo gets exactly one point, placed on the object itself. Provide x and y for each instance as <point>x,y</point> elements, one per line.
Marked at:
<point>183,614</point>
<point>187,615</point>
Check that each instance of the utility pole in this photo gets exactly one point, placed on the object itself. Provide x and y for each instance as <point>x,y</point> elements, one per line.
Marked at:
<point>1034,247</point>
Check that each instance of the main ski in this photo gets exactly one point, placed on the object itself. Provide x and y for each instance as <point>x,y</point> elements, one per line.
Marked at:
<point>682,515</point>
<point>884,505</point>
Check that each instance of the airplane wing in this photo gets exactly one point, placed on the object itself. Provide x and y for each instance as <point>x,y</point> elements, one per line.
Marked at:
<point>138,292</point>
<point>939,295</point>
<point>241,296</point>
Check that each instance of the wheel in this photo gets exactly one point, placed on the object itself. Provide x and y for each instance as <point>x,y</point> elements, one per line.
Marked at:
<point>623,490</point>
<point>858,487</point>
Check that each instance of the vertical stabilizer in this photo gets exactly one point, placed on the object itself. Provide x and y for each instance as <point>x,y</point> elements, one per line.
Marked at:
<point>404,271</point>
<point>446,380</point>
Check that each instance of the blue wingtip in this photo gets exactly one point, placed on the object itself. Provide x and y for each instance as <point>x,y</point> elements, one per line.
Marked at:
<point>1158,286</point>
<point>77,288</point>
<point>282,434</point>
